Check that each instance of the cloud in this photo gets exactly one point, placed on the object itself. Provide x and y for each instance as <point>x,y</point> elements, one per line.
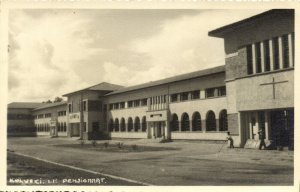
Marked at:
<point>181,45</point>
<point>54,52</point>
<point>43,54</point>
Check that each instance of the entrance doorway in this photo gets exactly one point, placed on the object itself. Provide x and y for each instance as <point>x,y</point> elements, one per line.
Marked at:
<point>75,129</point>
<point>282,128</point>
<point>157,129</point>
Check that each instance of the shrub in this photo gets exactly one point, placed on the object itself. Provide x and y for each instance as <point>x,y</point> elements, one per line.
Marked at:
<point>165,140</point>
<point>120,145</point>
<point>82,142</point>
<point>134,147</point>
<point>106,144</point>
<point>94,143</point>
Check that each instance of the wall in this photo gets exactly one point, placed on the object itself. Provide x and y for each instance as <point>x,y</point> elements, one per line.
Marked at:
<point>262,29</point>
<point>201,83</point>
<point>251,95</point>
<point>22,126</point>
<point>54,117</point>
<point>200,105</point>
<point>199,136</point>
<point>132,135</point>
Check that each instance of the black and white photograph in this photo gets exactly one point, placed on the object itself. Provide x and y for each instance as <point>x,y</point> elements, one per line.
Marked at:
<point>150,97</point>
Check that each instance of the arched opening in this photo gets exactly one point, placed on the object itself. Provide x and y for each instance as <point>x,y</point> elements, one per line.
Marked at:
<point>185,122</point>
<point>123,128</point>
<point>196,122</point>
<point>223,123</point>
<point>144,124</point>
<point>130,124</point>
<point>174,123</point>
<point>211,121</point>
<point>137,124</point>
<point>111,125</point>
<point>116,124</point>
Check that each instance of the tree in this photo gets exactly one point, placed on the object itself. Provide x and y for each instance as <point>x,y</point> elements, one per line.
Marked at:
<point>57,99</point>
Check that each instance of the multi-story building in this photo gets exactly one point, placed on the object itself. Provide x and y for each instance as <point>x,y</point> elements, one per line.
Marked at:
<point>260,76</point>
<point>254,90</point>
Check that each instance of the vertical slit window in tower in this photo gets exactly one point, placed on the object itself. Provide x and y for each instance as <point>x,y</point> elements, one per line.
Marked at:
<point>258,57</point>
<point>286,51</point>
<point>267,55</point>
<point>249,59</point>
<point>293,46</point>
<point>276,53</point>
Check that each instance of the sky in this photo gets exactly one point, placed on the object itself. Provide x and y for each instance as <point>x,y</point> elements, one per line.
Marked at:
<point>57,51</point>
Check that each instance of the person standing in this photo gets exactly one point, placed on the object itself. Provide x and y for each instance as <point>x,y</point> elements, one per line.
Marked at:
<point>261,135</point>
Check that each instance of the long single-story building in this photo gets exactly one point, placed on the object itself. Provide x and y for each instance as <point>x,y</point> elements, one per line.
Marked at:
<point>254,90</point>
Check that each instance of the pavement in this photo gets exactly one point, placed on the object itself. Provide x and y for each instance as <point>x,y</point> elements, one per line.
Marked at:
<point>189,163</point>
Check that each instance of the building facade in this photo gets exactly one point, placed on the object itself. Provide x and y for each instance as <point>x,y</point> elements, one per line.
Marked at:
<point>260,76</point>
<point>253,91</point>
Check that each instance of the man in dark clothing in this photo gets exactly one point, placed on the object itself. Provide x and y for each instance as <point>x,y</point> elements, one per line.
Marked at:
<point>261,134</point>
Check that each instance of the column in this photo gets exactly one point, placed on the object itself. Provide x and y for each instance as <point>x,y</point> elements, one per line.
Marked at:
<point>267,125</point>
<point>148,130</point>
<point>253,59</point>
<point>202,94</point>
<point>291,51</point>
<point>154,129</point>
<point>189,96</point>
<point>203,123</point>
<point>168,131</point>
<point>160,102</point>
<point>271,55</point>
<point>280,53</point>
<point>153,103</point>
<point>163,130</point>
<point>262,53</point>
<point>148,104</point>
<point>126,126</point>
<point>168,101</point>
<point>191,125</point>
<point>179,126</point>
<point>178,97</point>
<point>256,128</point>
<point>217,125</point>
<point>249,116</point>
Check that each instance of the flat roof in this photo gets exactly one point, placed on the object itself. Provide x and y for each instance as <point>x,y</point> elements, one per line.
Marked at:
<point>49,105</point>
<point>220,32</point>
<point>104,86</point>
<point>24,105</point>
<point>173,79</point>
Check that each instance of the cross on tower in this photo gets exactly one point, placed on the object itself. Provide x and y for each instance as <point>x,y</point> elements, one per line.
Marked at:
<point>273,83</point>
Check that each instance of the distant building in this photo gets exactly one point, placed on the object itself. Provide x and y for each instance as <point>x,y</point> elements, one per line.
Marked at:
<point>253,91</point>
<point>20,119</point>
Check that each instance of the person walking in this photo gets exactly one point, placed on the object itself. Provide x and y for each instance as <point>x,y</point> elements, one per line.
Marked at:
<point>230,140</point>
<point>261,135</point>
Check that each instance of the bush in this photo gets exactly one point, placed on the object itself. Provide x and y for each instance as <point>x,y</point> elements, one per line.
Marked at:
<point>94,143</point>
<point>82,142</point>
<point>134,147</point>
<point>120,145</point>
<point>165,140</point>
<point>106,144</point>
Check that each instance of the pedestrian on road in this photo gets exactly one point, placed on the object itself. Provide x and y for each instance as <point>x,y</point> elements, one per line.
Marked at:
<point>261,135</point>
<point>230,140</point>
